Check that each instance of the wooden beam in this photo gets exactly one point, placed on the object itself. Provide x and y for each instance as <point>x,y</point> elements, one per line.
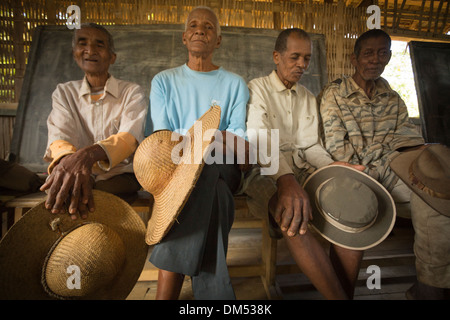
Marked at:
<point>364,3</point>
<point>395,16</point>
<point>445,19</point>
<point>420,17</point>
<point>385,12</point>
<point>437,15</point>
<point>430,17</point>
<point>419,36</point>
<point>400,13</point>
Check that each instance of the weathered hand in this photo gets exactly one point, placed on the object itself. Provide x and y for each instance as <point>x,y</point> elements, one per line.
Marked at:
<point>70,182</point>
<point>293,209</point>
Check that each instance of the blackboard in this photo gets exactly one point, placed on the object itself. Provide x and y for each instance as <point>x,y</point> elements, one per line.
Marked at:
<point>431,67</point>
<point>142,51</point>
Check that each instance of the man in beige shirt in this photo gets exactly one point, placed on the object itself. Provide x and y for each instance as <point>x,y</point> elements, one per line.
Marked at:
<point>94,128</point>
<point>279,102</point>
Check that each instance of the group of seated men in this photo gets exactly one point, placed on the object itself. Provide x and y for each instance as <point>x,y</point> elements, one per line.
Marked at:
<point>97,123</point>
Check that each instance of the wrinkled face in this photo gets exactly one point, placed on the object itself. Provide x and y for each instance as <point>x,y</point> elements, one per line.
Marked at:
<point>201,36</point>
<point>292,63</point>
<point>92,52</point>
<point>372,59</point>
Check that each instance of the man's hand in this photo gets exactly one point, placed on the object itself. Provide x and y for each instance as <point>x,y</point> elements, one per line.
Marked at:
<point>293,209</point>
<point>70,182</point>
<point>358,167</point>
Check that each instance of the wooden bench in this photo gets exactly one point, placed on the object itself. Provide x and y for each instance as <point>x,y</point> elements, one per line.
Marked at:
<point>14,209</point>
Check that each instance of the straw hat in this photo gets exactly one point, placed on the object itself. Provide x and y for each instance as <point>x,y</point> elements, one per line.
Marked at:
<point>427,173</point>
<point>168,166</point>
<point>48,256</point>
<point>350,208</point>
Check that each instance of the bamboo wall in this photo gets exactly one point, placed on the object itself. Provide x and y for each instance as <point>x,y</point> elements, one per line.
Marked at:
<point>339,23</point>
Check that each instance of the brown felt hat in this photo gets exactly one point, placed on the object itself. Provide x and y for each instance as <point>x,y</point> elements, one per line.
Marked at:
<point>168,166</point>
<point>350,208</point>
<point>50,256</point>
<point>427,173</point>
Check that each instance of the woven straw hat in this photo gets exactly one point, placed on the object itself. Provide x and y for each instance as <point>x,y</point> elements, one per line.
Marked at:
<point>168,166</point>
<point>48,256</point>
<point>427,173</point>
<point>350,208</point>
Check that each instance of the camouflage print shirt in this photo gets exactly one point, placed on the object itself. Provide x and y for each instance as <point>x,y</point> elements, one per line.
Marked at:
<point>366,131</point>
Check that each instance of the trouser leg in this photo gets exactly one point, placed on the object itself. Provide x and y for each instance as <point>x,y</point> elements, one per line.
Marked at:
<point>431,244</point>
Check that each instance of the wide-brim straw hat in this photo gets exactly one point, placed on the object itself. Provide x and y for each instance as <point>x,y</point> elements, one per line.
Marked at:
<point>427,173</point>
<point>168,166</point>
<point>50,256</point>
<point>350,208</point>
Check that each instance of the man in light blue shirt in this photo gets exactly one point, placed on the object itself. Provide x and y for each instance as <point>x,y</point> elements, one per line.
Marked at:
<point>197,244</point>
<point>179,96</point>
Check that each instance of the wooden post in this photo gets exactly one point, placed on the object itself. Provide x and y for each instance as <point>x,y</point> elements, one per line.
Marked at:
<point>248,14</point>
<point>51,12</point>
<point>430,16</point>
<point>437,16</point>
<point>276,15</point>
<point>445,20</point>
<point>420,17</point>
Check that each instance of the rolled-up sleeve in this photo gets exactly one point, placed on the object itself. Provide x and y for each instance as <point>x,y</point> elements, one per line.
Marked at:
<point>121,145</point>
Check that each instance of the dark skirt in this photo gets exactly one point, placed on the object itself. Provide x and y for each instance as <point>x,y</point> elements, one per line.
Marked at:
<point>197,245</point>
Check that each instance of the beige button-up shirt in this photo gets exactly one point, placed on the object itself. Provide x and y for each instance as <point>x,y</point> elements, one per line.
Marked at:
<point>294,113</point>
<point>115,122</point>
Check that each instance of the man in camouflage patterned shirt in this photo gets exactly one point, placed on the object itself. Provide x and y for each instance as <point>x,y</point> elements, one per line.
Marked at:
<point>366,122</point>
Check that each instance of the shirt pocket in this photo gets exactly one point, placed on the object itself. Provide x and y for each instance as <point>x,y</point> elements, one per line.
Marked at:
<point>308,128</point>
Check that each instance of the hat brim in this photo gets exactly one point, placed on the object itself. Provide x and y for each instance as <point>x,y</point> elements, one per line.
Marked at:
<point>401,164</point>
<point>170,201</point>
<point>26,245</point>
<point>357,241</point>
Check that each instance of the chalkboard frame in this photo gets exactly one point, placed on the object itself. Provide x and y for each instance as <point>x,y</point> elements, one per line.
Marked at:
<point>431,68</point>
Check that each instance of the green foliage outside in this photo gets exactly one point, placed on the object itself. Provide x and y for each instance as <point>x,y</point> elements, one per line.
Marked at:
<point>401,77</point>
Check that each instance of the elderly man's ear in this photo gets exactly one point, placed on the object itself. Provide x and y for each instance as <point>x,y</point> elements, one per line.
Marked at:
<point>219,41</point>
<point>113,58</point>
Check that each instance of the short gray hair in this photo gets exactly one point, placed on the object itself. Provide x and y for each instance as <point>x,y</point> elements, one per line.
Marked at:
<point>219,31</point>
<point>281,42</point>
<point>99,27</point>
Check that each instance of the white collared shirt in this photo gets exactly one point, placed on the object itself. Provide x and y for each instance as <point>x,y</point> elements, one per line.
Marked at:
<point>115,121</point>
<point>294,113</point>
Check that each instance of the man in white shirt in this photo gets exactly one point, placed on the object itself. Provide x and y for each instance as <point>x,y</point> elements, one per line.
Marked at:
<point>94,128</point>
<point>279,102</point>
